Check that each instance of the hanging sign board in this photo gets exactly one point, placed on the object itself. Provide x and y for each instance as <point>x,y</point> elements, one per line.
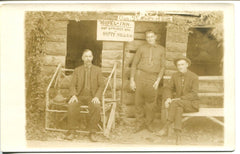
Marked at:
<point>114,30</point>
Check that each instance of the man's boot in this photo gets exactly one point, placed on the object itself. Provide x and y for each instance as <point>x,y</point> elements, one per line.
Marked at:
<point>93,136</point>
<point>164,130</point>
<point>70,135</point>
<point>178,136</point>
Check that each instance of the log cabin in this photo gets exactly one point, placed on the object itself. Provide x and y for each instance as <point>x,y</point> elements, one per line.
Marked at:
<point>180,34</point>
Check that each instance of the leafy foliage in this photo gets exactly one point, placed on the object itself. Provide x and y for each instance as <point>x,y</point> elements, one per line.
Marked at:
<point>36,32</point>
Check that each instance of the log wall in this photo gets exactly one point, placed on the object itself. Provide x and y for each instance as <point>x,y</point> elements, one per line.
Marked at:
<point>170,35</point>
<point>113,53</point>
<point>56,46</point>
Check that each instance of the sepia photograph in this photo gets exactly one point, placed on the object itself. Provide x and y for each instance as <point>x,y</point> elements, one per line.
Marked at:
<point>126,77</point>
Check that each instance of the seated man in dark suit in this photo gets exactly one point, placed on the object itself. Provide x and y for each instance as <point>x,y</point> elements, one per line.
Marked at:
<point>185,84</point>
<point>86,89</point>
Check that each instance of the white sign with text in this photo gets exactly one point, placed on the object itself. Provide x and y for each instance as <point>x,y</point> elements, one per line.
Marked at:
<point>114,30</point>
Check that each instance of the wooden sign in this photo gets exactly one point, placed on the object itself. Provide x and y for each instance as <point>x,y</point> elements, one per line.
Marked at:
<point>114,30</point>
<point>145,18</point>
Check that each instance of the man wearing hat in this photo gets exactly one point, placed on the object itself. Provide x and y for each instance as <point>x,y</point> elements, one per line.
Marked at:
<point>185,84</point>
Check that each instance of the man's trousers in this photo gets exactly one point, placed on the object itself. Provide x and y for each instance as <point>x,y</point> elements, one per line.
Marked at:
<point>176,109</point>
<point>74,115</point>
<point>145,97</point>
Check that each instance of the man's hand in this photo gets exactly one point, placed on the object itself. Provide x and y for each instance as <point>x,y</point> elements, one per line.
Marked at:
<point>132,84</point>
<point>156,83</point>
<point>168,102</point>
<point>95,100</point>
<point>73,99</point>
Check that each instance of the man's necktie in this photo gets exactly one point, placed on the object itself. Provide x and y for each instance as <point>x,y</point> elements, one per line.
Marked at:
<point>182,83</point>
<point>87,78</point>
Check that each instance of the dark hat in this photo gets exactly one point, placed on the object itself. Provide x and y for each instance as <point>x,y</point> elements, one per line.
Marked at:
<point>182,58</point>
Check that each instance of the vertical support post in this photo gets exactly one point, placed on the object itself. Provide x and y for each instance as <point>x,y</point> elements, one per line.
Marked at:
<point>47,95</point>
<point>114,90</point>
<point>104,118</point>
<point>46,109</point>
<point>114,82</point>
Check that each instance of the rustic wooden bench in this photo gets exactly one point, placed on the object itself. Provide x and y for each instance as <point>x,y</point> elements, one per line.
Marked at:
<point>209,113</point>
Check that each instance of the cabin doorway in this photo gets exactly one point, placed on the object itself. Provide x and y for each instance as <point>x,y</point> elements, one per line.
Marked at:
<point>82,35</point>
<point>205,53</point>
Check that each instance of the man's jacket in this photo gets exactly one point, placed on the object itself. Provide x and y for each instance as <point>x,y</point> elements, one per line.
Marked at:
<point>96,81</point>
<point>187,90</point>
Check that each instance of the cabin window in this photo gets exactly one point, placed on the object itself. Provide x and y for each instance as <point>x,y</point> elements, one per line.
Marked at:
<point>82,35</point>
<point>205,53</point>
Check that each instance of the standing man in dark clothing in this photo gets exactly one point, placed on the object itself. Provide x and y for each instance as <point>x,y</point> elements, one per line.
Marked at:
<point>86,89</point>
<point>146,73</point>
<point>185,84</point>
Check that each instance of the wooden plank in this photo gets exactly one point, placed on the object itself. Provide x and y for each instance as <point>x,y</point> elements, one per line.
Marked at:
<point>142,27</point>
<point>216,121</point>
<point>58,28</point>
<point>109,63</point>
<point>176,47</point>
<point>205,86</point>
<point>59,24</point>
<point>112,54</point>
<point>118,83</point>
<point>215,100</point>
<point>112,45</point>
<point>211,78</point>
<point>56,38</point>
<point>106,72</point>
<point>56,48</point>
<point>204,78</point>
<point>53,60</point>
<point>134,45</point>
<point>172,27</point>
<point>203,112</point>
<point>177,37</point>
<point>118,71</point>
<point>48,70</point>
<point>127,70</point>
<point>110,120</point>
<point>174,55</point>
<point>58,31</point>
<point>211,94</point>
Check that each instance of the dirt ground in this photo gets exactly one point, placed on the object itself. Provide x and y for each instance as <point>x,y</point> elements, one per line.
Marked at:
<point>196,131</point>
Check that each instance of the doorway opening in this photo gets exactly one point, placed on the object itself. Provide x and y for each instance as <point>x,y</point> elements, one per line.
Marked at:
<point>205,53</point>
<point>82,35</point>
